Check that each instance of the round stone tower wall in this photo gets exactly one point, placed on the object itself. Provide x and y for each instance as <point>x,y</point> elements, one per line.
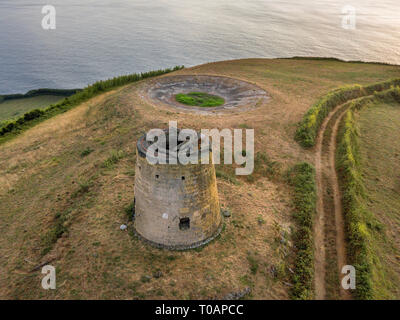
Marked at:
<point>176,206</point>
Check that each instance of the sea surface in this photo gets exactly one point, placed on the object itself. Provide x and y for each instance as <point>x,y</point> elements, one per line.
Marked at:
<point>98,39</point>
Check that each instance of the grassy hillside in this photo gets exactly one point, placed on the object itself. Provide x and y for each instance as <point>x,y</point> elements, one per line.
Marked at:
<point>380,153</point>
<point>358,153</point>
<point>14,127</point>
<point>11,109</point>
<point>66,183</point>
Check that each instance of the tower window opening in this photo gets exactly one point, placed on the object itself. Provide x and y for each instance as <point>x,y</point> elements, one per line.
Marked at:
<point>183,177</point>
<point>184,223</point>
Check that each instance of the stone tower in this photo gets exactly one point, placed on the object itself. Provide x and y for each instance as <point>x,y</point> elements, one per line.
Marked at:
<point>176,205</point>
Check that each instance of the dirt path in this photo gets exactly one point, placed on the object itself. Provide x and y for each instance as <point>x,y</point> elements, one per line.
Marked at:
<point>326,180</point>
<point>339,219</point>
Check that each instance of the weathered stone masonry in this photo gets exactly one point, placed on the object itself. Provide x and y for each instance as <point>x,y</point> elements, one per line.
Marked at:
<point>176,206</point>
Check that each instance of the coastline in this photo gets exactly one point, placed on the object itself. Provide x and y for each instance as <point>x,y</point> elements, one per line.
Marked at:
<point>54,91</point>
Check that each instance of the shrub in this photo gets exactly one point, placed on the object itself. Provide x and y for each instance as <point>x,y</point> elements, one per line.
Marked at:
<point>33,114</point>
<point>83,188</point>
<point>114,158</point>
<point>359,222</point>
<point>352,198</point>
<point>129,209</point>
<point>253,264</point>
<point>307,130</point>
<point>302,178</point>
<point>86,152</point>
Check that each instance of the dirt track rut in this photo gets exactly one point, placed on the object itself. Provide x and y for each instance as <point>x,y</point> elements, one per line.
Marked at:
<point>328,186</point>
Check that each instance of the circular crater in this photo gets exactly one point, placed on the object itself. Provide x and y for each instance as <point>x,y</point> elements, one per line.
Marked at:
<point>234,94</point>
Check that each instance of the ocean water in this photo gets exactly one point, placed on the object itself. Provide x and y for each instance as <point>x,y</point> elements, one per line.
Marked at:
<point>98,39</point>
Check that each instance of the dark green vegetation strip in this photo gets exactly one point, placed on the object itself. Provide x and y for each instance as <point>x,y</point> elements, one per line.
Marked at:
<point>302,178</point>
<point>39,92</point>
<point>29,119</point>
<point>307,130</point>
<point>199,99</point>
<point>339,60</point>
<point>360,223</point>
<point>56,232</point>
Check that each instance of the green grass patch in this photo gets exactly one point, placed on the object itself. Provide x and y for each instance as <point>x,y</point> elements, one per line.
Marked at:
<point>113,159</point>
<point>302,178</point>
<point>379,127</point>
<point>199,99</point>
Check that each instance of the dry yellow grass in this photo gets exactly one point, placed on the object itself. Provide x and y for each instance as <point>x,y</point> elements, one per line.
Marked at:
<point>42,173</point>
